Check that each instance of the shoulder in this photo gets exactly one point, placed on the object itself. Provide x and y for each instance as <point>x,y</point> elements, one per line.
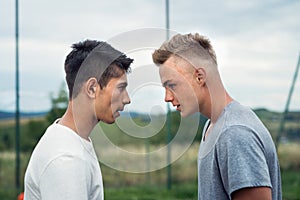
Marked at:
<point>57,144</point>
<point>240,137</point>
<point>59,139</point>
<point>238,133</point>
<point>238,114</point>
<point>241,125</point>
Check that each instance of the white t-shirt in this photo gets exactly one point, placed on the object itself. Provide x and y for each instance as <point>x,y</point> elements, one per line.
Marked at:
<point>63,166</point>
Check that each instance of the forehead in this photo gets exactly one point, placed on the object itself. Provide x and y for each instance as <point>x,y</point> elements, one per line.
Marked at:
<point>172,69</point>
<point>118,80</point>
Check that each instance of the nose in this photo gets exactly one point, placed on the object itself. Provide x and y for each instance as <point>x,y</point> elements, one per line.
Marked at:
<point>126,98</point>
<point>169,97</point>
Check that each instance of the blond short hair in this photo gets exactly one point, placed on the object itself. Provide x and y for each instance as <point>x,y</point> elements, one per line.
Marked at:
<point>189,46</point>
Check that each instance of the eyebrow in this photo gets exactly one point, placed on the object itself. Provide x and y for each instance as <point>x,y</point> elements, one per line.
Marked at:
<point>166,83</point>
<point>123,84</point>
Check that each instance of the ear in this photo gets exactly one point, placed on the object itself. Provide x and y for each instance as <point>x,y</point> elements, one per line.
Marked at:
<point>91,87</point>
<point>200,76</point>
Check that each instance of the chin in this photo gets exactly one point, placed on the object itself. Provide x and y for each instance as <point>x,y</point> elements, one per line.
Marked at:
<point>110,120</point>
<point>186,114</point>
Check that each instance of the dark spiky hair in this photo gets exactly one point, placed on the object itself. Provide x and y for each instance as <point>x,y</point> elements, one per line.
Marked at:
<point>76,59</point>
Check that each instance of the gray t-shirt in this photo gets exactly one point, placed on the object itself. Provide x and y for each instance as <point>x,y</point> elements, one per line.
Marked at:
<point>237,153</point>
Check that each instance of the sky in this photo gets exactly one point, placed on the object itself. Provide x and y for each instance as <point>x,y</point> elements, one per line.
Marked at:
<point>256,42</point>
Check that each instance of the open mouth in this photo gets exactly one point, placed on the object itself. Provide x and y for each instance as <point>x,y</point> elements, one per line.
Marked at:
<point>117,113</point>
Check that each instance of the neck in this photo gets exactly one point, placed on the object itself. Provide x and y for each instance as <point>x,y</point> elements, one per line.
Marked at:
<point>218,106</point>
<point>79,123</point>
<point>219,99</point>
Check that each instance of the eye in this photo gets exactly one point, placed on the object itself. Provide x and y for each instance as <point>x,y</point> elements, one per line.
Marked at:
<point>171,86</point>
<point>122,88</point>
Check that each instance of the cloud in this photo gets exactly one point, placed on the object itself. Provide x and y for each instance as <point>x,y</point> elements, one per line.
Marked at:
<point>255,41</point>
<point>29,101</point>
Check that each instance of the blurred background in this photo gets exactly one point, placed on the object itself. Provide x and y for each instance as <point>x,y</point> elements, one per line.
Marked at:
<point>257,47</point>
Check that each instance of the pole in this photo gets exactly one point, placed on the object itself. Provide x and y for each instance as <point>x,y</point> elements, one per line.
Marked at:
<point>167,20</point>
<point>169,134</point>
<point>281,125</point>
<point>148,161</point>
<point>17,114</point>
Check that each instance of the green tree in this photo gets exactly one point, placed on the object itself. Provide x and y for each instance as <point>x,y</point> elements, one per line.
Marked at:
<point>59,104</point>
<point>32,132</point>
<point>35,128</point>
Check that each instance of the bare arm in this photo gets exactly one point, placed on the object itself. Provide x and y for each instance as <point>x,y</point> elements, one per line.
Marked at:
<point>257,193</point>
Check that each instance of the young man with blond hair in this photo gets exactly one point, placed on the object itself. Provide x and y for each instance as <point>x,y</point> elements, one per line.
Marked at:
<point>237,157</point>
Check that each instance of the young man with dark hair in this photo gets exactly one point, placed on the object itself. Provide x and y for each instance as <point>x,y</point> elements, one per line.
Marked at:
<point>64,165</point>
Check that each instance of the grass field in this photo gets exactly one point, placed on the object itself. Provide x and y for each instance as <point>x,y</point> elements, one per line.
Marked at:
<point>147,186</point>
<point>178,191</point>
<point>188,190</point>
<point>289,156</point>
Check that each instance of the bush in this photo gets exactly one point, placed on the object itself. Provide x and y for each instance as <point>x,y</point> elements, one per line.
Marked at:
<point>32,133</point>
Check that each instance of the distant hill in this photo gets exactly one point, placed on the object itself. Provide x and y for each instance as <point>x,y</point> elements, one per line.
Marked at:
<point>261,112</point>
<point>266,114</point>
<point>4,115</point>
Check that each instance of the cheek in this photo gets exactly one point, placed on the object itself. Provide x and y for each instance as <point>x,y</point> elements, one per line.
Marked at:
<point>115,98</point>
<point>103,104</point>
<point>187,94</point>
<point>181,91</point>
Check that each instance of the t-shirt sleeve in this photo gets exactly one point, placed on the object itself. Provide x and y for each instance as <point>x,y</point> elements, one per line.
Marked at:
<point>241,159</point>
<point>66,177</point>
